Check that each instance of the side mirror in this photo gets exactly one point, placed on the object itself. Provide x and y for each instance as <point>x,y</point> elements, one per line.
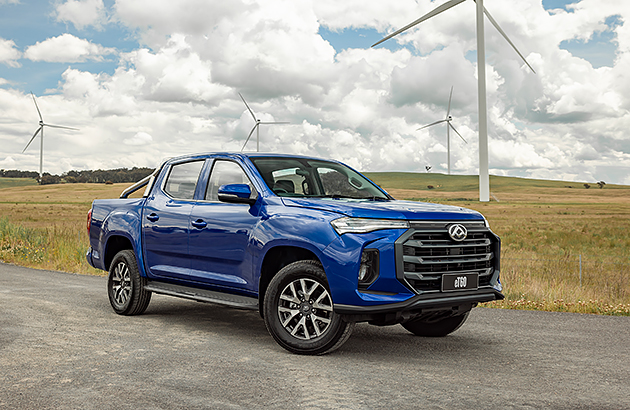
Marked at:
<point>236,194</point>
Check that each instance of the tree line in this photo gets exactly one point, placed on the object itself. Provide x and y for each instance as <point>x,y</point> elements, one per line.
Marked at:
<point>101,176</point>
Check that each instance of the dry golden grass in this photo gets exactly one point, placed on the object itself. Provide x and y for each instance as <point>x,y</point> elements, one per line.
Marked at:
<point>544,227</point>
<point>544,231</point>
<point>45,226</point>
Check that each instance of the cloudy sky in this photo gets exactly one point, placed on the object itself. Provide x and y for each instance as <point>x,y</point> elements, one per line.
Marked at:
<point>148,79</point>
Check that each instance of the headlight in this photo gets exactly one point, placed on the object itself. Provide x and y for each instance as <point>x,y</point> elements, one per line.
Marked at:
<point>364,225</point>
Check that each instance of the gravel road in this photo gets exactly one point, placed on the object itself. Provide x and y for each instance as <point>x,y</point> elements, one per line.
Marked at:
<point>62,347</point>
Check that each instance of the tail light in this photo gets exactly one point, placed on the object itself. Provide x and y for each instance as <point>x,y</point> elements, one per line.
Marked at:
<point>89,221</point>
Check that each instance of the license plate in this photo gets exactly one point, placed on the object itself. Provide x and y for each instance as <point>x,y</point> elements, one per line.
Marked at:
<point>459,281</point>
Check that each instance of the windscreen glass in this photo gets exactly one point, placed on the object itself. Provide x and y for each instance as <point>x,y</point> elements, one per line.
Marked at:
<point>293,177</point>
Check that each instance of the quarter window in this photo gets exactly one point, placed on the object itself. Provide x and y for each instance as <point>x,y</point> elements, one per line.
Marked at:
<point>182,180</point>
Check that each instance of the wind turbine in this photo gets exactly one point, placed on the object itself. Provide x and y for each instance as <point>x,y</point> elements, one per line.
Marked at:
<point>42,124</point>
<point>484,178</point>
<point>447,120</point>
<point>257,126</point>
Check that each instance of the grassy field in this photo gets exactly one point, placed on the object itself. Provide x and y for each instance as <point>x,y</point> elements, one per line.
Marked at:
<point>16,182</point>
<point>551,233</point>
<point>546,228</point>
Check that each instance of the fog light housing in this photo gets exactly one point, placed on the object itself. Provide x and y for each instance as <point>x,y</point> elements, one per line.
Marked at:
<point>368,269</point>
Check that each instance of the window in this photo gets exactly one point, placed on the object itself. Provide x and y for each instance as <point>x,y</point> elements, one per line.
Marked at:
<point>297,177</point>
<point>182,180</point>
<point>225,173</point>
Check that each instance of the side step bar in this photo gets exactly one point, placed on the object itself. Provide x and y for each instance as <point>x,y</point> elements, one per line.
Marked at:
<point>203,295</point>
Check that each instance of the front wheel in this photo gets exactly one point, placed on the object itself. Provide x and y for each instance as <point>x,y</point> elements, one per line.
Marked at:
<point>439,328</point>
<point>298,311</point>
<point>125,286</point>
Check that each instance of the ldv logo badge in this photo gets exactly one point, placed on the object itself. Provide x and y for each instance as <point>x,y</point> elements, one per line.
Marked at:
<point>457,232</point>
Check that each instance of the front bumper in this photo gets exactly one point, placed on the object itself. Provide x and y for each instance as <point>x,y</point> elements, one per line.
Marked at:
<point>447,304</point>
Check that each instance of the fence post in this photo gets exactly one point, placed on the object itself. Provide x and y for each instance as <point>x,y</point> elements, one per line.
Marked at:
<point>580,270</point>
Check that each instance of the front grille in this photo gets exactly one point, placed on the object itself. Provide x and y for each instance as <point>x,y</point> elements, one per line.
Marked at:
<point>426,252</point>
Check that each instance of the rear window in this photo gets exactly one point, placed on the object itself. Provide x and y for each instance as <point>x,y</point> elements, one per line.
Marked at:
<point>182,180</point>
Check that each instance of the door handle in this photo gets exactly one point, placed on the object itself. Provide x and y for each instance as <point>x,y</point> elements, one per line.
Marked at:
<point>153,217</point>
<point>199,223</point>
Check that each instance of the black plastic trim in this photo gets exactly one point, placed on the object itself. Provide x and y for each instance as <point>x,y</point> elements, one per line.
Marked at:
<point>420,302</point>
<point>203,295</point>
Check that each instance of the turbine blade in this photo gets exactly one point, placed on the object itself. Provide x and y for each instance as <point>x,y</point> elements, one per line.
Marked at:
<point>449,103</point>
<point>496,25</point>
<point>34,135</point>
<point>460,135</point>
<point>59,126</point>
<point>249,109</point>
<point>249,136</point>
<point>276,122</point>
<point>39,112</point>
<point>427,16</point>
<point>433,123</point>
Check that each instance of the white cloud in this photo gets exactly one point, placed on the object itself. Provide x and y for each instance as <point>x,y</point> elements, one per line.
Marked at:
<point>178,91</point>
<point>8,163</point>
<point>82,13</point>
<point>140,138</point>
<point>66,48</point>
<point>9,54</point>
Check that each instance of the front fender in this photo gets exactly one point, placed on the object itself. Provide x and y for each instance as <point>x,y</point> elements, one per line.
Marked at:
<point>342,258</point>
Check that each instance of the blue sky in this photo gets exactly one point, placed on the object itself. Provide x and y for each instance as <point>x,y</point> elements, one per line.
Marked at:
<point>146,79</point>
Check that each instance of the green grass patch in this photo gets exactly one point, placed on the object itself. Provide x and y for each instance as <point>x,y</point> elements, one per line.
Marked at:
<point>16,182</point>
<point>459,183</point>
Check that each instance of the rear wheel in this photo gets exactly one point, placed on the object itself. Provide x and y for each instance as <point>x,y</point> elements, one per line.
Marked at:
<point>298,311</point>
<point>125,286</point>
<point>439,328</point>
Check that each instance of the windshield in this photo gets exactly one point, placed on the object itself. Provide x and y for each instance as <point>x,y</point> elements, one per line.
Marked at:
<point>306,178</point>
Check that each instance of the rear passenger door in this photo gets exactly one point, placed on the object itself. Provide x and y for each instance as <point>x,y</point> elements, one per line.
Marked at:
<point>165,222</point>
<point>221,232</point>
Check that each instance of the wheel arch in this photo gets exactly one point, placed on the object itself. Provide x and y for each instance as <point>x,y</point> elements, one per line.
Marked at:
<point>275,259</point>
<point>115,244</point>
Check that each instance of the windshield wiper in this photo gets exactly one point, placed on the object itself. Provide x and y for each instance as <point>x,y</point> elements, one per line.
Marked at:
<point>339,196</point>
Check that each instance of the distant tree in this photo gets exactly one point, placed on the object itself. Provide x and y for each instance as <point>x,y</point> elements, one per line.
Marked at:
<point>48,179</point>
<point>587,186</point>
<point>601,184</point>
<point>14,173</point>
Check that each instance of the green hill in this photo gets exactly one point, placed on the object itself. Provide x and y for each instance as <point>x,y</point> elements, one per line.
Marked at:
<point>15,182</point>
<point>455,183</point>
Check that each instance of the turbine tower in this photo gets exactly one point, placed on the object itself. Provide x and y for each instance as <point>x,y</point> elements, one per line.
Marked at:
<point>447,120</point>
<point>40,131</point>
<point>484,178</point>
<point>256,127</point>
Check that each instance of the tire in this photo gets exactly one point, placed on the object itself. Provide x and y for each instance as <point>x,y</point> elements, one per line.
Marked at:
<point>440,328</point>
<point>298,311</point>
<point>125,286</point>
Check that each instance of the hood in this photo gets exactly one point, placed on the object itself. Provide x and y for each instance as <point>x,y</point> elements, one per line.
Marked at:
<point>394,209</point>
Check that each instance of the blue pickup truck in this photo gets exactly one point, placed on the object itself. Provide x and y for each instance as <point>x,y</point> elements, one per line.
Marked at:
<point>312,244</point>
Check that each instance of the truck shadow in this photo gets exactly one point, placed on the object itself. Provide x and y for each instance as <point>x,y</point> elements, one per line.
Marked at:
<point>367,341</point>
